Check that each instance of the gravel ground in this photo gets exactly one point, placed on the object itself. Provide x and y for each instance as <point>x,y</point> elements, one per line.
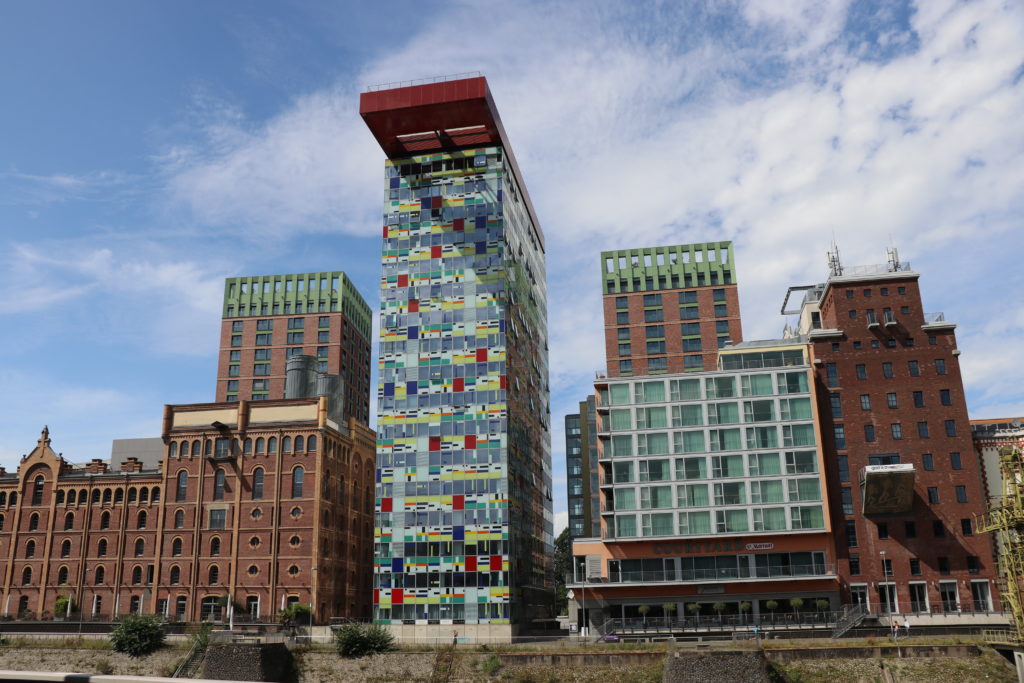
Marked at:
<point>89,661</point>
<point>988,667</point>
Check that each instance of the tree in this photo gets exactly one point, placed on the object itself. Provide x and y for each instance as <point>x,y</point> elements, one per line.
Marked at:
<point>719,607</point>
<point>295,615</point>
<point>360,640</point>
<point>694,609</point>
<point>772,605</point>
<point>822,605</point>
<point>562,565</point>
<point>744,608</point>
<point>60,607</point>
<point>796,604</point>
<point>137,635</point>
<point>669,608</point>
<point>643,610</point>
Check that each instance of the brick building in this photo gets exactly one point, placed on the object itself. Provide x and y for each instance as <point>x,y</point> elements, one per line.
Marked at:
<point>669,309</point>
<point>269,504</point>
<point>268,319</point>
<point>905,481</point>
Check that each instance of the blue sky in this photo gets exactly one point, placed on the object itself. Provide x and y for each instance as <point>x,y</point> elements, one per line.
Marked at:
<point>148,150</point>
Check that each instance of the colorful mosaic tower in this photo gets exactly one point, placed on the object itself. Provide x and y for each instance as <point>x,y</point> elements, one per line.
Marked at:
<point>464,518</point>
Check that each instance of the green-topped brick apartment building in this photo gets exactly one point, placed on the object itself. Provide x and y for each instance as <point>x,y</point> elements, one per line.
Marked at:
<point>267,319</point>
<point>669,309</point>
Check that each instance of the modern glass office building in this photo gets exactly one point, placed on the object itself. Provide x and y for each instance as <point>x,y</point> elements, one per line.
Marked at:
<point>464,517</point>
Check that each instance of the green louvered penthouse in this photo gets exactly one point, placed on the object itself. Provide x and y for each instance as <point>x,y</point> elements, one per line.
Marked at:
<point>669,309</point>
<point>268,319</point>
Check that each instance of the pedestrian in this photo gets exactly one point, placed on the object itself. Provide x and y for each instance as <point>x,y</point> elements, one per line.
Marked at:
<point>906,626</point>
<point>455,637</point>
<point>895,629</point>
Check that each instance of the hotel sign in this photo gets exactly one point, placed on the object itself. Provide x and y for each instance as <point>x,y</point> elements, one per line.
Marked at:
<point>724,546</point>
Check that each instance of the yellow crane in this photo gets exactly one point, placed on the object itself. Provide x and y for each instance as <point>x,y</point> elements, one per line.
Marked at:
<point>1005,519</point>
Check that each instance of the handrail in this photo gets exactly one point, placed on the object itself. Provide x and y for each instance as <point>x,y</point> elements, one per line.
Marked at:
<point>681,575</point>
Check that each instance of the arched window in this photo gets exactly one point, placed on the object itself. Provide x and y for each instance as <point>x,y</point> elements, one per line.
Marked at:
<point>197,448</point>
<point>156,495</point>
<point>176,548</point>
<point>65,548</point>
<point>182,492</point>
<point>1,522</point>
<point>62,576</point>
<point>106,496</point>
<point>3,498</point>
<point>271,449</point>
<point>119,496</point>
<point>14,499</point>
<point>136,576</point>
<point>299,444</point>
<point>214,574</point>
<point>144,495</point>
<point>257,483</point>
<point>140,548</point>
<point>60,497</point>
<point>101,548</point>
<point>95,496</point>
<point>33,521</point>
<point>247,447</point>
<point>286,444</point>
<point>179,519</point>
<point>184,450</point>
<point>30,550</point>
<point>298,474</point>
<point>105,520</point>
<point>259,446</point>
<point>214,546</point>
<point>218,485</point>
<point>132,495</point>
<point>69,521</point>
<point>142,520</point>
<point>37,490</point>
<point>172,449</point>
<point>208,448</point>
<point>26,577</point>
<point>71,497</point>
<point>175,576</point>
<point>83,497</point>
<point>100,575</point>
<point>311,443</point>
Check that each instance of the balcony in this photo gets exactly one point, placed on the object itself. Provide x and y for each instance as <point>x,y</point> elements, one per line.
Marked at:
<point>936,321</point>
<point>777,573</point>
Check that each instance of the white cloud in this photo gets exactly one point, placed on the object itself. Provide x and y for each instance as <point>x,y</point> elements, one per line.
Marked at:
<point>561,520</point>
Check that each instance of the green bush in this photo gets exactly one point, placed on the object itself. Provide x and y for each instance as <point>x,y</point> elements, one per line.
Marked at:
<point>360,640</point>
<point>295,615</point>
<point>138,634</point>
<point>491,665</point>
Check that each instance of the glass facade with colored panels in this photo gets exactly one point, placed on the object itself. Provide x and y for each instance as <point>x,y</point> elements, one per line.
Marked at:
<point>711,454</point>
<point>464,520</point>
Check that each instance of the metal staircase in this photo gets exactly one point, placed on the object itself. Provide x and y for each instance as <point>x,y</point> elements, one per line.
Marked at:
<point>190,666</point>
<point>853,616</point>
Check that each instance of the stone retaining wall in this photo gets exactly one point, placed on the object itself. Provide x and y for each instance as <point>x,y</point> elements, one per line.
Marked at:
<point>784,656</point>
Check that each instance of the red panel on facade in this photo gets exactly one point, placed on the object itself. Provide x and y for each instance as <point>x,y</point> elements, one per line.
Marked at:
<point>385,504</point>
<point>495,563</point>
<point>504,382</point>
<point>470,564</point>
<point>435,443</point>
<point>459,384</point>
<point>435,252</point>
<point>397,596</point>
<point>459,223</point>
<point>403,280</point>
<point>376,596</point>
<point>414,305</point>
<point>471,441</point>
<point>481,355</point>
<point>458,502</point>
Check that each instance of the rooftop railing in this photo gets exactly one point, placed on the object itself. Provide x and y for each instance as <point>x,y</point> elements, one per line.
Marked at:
<point>930,318</point>
<point>423,81</point>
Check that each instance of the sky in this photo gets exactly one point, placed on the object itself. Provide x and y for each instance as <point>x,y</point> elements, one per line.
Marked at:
<point>149,150</point>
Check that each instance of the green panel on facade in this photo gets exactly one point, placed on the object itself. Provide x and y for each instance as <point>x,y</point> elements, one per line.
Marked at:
<point>672,267</point>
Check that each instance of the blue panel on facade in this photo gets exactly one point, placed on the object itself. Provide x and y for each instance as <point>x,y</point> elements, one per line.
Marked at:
<point>389,388</point>
<point>396,565</point>
<point>459,533</point>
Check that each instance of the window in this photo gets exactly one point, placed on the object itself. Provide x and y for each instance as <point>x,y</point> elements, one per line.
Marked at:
<point>218,483</point>
<point>883,531</point>
<point>179,519</point>
<point>33,522</point>
<point>973,566</point>
<point>298,474</point>
<point>175,576</point>
<point>625,350</point>
<point>843,462</point>
<point>105,520</point>
<point>950,427</point>
<point>840,435</point>
<point>656,347</point>
<point>862,372</point>
<point>621,302</point>
<point>657,364</point>
<point>100,575</point>
<point>689,313</point>
<point>944,565</point>
<point>847,496</point>
<point>944,397</point>
<point>718,294</point>
<point>914,367</point>
<point>851,533</point>
<point>869,433</point>
<point>955,462</point>
<point>897,430</point>
<point>721,310</point>
<point>865,402</point>
<point>933,495</point>
<point>831,374</point>
<point>927,462</point>
<point>623,333</point>
<point>940,366</point>
<point>257,483</point>
<point>214,575</point>
<point>837,405</point>
<point>218,519</point>
<point>653,315</point>
<point>922,430</point>
<point>887,370</point>
<point>141,521</point>
<point>69,521</point>
<point>910,529</point>
<point>30,550</point>
<point>140,548</point>
<point>966,528</point>
<point>915,566</point>
<point>891,401</point>
<point>654,331</point>
<point>961,494</point>
<point>886,567</point>
<point>176,548</point>
<point>214,546</point>
<point>919,399</point>
<point>854,564</point>
<point>182,490</point>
